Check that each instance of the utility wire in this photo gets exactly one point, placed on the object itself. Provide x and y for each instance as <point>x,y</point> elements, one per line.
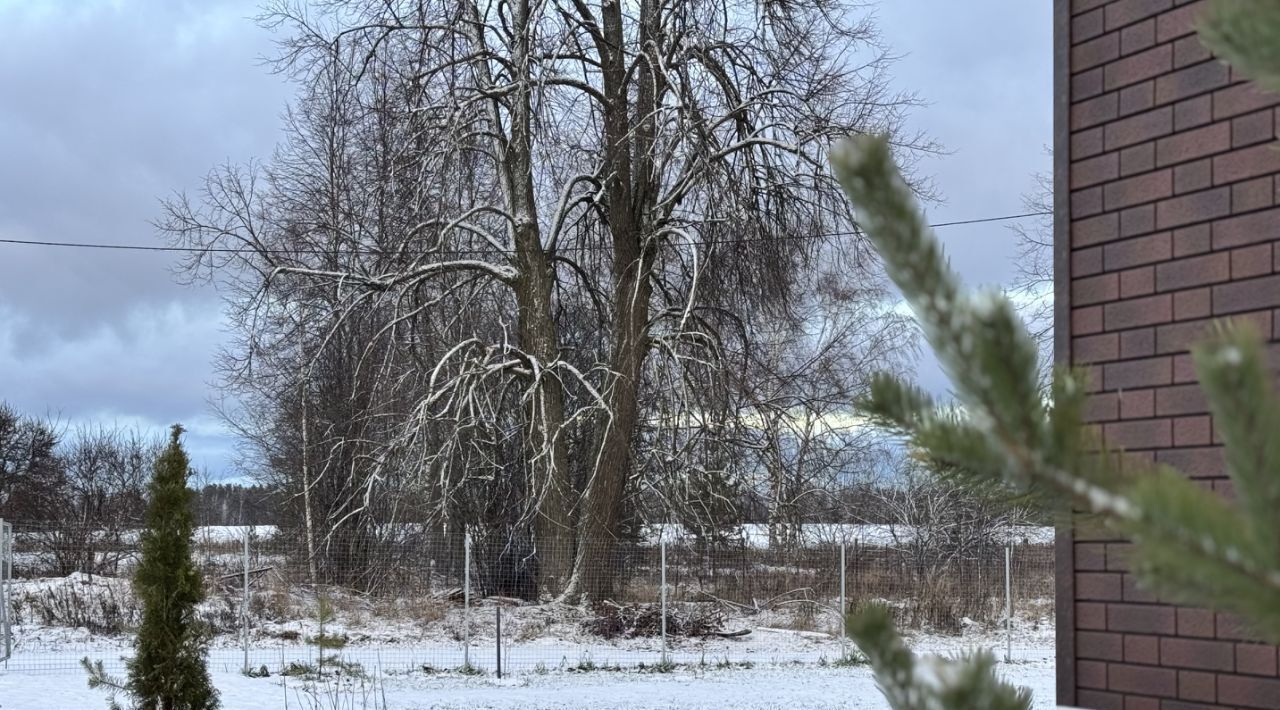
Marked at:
<point>452,252</point>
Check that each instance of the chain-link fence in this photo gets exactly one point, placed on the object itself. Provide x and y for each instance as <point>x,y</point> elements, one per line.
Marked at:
<point>435,600</point>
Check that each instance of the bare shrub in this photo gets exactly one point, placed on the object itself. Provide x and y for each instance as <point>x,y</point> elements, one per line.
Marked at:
<point>99,608</point>
<point>611,621</point>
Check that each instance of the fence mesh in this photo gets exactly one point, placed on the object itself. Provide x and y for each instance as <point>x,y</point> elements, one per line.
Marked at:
<point>432,601</point>
<point>6,574</point>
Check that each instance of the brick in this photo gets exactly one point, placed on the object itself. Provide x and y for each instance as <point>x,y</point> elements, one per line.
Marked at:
<point>1240,99</point>
<point>1253,194</point>
<point>1249,692</point>
<point>1086,84</point>
<point>1136,98</point>
<point>1192,431</point>
<point>1136,38</point>
<point>1251,261</point>
<point>1247,229</point>
<point>1095,289</point>
<point>1134,592</point>
<point>1136,252</point>
<point>1184,369</point>
<point>1137,220</point>
<point>1141,649</point>
<point>1198,654</point>
<point>1138,435</point>
<point>1137,404</point>
<point>1086,320</point>
<point>1187,51</point>
<point>1148,187</point>
<point>1257,127</point>
<point>1238,296</point>
<point>1086,262</point>
<point>1137,129</point>
<point>1098,586</point>
<point>1138,282</point>
<point>1137,373</point>
<point>1138,343</point>
<point>1179,337</point>
<point>1186,705</point>
<point>1085,203</point>
<point>1095,111</point>
<point>1202,462</point>
<point>1191,240</point>
<point>1179,22</point>
<point>1246,163</point>
<point>1100,646</point>
<point>1101,408</point>
<point>1189,114</point>
<point>1086,144</point>
<point>1095,52</point>
<point>1181,400</point>
<point>1193,144</point>
<point>1086,173</point>
<point>1118,556</point>
<point>1255,659</point>
<point>1091,674</point>
<point>1095,230</point>
<point>1137,159</point>
<point>1138,67</point>
<point>1193,271</point>
<point>1193,176</point>
<point>1195,623</point>
<point>1136,703</point>
<point>1100,700</point>
<point>1135,312</point>
<point>1091,616</point>
<point>1087,26</point>
<point>1191,81</point>
<point>1195,207</point>
<point>1233,628</point>
<point>1090,557</point>
<point>1144,680</point>
<point>1193,685</point>
<point>1124,12</point>
<point>1196,303</point>
<point>1095,348</point>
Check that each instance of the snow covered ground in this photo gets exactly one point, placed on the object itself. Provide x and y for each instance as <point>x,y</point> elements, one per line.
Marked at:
<point>756,688</point>
<point>754,535</point>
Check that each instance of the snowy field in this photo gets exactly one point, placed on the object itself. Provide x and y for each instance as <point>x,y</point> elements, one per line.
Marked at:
<point>754,535</point>
<point>755,688</point>
<point>753,629</point>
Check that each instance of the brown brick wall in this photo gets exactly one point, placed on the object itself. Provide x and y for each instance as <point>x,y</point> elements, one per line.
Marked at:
<point>1168,218</point>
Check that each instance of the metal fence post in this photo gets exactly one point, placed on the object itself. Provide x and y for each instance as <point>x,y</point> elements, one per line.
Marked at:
<point>497,636</point>
<point>244,603</point>
<point>844,607</point>
<point>1008,602</point>
<point>662,546</point>
<point>6,576</point>
<point>466,600</point>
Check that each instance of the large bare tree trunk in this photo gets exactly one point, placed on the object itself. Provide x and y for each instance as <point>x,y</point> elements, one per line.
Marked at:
<point>547,447</point>
<point>602,501</point>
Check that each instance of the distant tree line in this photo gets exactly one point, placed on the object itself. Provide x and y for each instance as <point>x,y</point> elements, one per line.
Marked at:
<point>94,478</point>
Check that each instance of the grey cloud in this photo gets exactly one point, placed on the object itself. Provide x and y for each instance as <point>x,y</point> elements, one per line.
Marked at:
<point>104,108</point>
<point>107,105</point>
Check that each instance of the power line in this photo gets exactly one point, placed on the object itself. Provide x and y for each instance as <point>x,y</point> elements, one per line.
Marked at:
<point>459,252</point>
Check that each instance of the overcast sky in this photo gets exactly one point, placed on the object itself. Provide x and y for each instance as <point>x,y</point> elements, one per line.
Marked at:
<point>107,106</point>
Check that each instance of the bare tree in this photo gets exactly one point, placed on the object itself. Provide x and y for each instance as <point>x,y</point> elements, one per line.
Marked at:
<point>537,212</point>
<point>1033,283</point>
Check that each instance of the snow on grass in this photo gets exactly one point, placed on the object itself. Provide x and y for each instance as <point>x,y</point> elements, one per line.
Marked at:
<point>756,535</point>
<point>756,688</point>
